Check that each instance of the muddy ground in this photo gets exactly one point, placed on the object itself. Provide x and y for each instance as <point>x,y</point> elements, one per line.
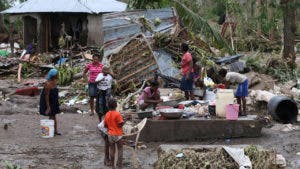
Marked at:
<point>81,146</point>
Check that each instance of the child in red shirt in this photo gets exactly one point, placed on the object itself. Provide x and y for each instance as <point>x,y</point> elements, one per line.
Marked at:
<point>114,122</point>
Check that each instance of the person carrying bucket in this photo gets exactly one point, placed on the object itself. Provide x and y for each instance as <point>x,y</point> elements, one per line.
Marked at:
<point>242,89</point>
<point>49,103</point>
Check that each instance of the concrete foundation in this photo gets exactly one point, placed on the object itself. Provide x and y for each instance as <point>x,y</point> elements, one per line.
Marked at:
<point>197,129</point>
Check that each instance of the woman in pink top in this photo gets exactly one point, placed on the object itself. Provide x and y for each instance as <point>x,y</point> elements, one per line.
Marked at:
<point>187,72</point>
<point>150,96</point>
<point>93,69</point>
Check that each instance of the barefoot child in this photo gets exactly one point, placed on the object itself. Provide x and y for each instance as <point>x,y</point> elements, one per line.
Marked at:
<point>114,122</point>
<point>242,90</point>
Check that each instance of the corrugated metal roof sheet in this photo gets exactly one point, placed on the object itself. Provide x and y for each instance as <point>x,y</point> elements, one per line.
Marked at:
<point>72,6</point>
<point>119,28</point>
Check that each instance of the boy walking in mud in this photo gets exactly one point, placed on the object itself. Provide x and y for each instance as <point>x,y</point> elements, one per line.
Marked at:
<point>114,123</point>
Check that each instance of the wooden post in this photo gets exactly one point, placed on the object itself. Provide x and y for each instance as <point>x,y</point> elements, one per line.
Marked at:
<point>47,33</point>
<point>11,38</point>
<point>2,28</point>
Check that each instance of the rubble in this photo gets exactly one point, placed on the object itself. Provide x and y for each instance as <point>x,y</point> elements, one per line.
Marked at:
<point>133,66</point>
<point>215,157</point>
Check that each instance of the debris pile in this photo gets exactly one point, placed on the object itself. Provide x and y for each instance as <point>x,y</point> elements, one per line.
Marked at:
<point>133,64</point>
<point>215,158</point>
<point>206,158</point>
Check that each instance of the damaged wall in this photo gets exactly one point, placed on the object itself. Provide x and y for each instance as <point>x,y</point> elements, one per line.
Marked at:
<point>95,33</point>
<point>29,30</point>
<point>133,64</point>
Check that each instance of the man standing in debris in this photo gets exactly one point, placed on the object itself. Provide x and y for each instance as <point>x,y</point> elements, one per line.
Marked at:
<point>94,69</point>
<point>242,90</point>
<point>187,72</point>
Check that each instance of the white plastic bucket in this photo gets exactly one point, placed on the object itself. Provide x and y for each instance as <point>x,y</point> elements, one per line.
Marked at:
<point>223,98</point>
<point>47,128</point>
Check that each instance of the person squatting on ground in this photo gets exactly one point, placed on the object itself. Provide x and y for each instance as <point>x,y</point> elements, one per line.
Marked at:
<point>187,72</point>
<point>104,81</point>
<point>150,96</point>
<point>242,89</point>
<point>114,123</point>
<point>93,69</point>
<point>49,100</point>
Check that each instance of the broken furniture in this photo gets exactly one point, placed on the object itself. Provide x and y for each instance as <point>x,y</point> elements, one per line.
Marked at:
<point>132,139</point>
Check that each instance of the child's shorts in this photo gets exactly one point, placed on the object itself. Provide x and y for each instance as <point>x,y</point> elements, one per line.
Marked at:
<point>114,139</point>
<point>242,90</point>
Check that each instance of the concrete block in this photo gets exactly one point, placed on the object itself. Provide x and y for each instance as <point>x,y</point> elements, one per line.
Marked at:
<point>199,129</point>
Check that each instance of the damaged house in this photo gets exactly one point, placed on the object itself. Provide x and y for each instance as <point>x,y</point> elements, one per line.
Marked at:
<point>128,45</point>
<point>45,21</point>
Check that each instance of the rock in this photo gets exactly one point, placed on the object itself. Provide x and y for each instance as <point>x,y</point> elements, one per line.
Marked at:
<point>5,127</point>
<point>142,147</point>
<point>280,160</point>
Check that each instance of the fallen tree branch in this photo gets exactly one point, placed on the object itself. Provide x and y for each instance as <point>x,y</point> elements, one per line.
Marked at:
<point>132,94</point>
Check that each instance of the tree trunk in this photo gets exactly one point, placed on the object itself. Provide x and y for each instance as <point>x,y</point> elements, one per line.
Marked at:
<point>257,14</point>
<point>289,30</point>
<point>270,19</point>
<point>2,28</point>
<point>11,38</point>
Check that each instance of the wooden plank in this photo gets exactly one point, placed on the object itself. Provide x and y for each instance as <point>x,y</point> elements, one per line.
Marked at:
<point>138,78</point>
<point>136,65</point>
<point>124,78</point>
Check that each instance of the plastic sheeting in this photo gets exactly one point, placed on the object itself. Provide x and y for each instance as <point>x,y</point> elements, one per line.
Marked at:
<point>165,63</point>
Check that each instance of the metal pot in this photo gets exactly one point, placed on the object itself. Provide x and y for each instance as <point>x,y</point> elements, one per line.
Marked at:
<point>171,113</point>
